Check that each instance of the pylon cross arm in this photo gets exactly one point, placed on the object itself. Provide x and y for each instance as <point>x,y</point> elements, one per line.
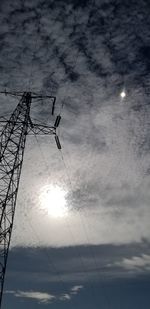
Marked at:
<point>41,130</point>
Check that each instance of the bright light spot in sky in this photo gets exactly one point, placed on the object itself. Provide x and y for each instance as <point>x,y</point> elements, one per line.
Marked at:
<point>123,94</point>
<point>53,200</point>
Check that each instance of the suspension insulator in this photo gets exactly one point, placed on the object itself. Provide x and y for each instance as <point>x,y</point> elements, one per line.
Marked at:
<point>53,106</point>
<point>57,142</point>
<point>58,118</point>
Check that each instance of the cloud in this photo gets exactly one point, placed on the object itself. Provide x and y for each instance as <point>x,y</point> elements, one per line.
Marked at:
<point>39,296</point>
<point>46,298</point>
<point>75,289</point>
<point>135,263</point>
<point>65,297</point>
<point>84,54</point>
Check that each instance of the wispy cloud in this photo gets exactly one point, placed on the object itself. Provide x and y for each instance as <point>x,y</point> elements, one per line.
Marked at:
<point>46,298</point>
<point>75,289</point>
<point>135,263</point>
<point>65,297</point>
<point>39,296</point>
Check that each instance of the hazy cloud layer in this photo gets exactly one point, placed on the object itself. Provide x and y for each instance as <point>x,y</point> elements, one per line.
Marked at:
<point>77,265</point>
<point>85,53</point>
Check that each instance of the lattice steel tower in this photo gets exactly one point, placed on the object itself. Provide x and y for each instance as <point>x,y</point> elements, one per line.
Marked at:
<point>12,145</point>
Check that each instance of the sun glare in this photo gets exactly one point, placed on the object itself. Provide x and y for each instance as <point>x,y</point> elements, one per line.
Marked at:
<point>123,94</point>
<point>53,200</point>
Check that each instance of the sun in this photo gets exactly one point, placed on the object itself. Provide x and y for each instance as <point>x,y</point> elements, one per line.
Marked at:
<point>53,200</point>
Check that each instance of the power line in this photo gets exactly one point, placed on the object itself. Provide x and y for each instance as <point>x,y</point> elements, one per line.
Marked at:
<point>82,223</point>
<point>76,250</point>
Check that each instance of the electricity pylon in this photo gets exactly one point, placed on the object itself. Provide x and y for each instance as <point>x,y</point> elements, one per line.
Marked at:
<point>12,146</point>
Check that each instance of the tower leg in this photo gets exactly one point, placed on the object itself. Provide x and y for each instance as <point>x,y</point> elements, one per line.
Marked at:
<point>12,145</point>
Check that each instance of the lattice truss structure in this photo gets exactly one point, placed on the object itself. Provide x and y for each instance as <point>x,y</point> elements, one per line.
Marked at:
<point>12,146</point>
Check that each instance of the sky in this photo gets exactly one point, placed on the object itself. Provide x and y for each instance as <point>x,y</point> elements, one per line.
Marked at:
<point>81,234</point>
